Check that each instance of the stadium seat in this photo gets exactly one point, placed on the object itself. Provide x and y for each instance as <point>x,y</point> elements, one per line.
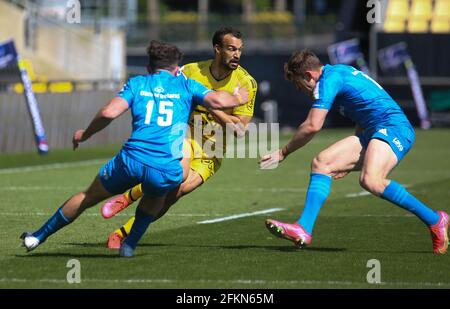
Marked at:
<point>40,84</point>
<point>442,9</point>
<point>397,9</point>
<point>60,87</point>
<point>440,25</point>
<point>36,86</point>
<point>396,14</point>
<point>394,25</point>
<point>417,25</point>
<point>421,9</point>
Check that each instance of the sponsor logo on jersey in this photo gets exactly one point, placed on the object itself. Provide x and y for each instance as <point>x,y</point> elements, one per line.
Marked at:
<point>144,93</point>
<point>167,96</point>
<point>398,144</point>
<point>383,131</point>
<point>158,95</point>
<point>158,89</point>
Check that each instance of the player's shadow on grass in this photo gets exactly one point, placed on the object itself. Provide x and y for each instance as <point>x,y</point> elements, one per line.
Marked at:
<point>244,247</point>
<point>108,253</point>
<point>284,248</point>
<point>68,254</point>
<point>103,245</point>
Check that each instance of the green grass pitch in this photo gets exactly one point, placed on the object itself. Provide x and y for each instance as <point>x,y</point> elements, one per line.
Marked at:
<point>177,252</point>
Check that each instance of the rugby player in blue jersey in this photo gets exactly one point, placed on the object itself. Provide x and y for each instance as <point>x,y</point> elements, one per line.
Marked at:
<point>160,103</point>
<point>382,138</point>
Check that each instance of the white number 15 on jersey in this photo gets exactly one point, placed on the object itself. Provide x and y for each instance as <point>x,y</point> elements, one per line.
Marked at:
<point>165,112</point>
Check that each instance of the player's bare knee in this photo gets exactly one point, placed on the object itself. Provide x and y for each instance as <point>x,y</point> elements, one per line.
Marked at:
<point>365,181</point>
<point>373,184</point>
<point>320,165</point>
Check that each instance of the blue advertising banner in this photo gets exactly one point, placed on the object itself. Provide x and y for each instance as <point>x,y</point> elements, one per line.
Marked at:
<point>348,52</point>
<point>393,57</point>
<point>9,56</point>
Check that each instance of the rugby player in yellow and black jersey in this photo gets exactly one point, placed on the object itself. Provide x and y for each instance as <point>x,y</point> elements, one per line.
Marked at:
<point>221,73</point>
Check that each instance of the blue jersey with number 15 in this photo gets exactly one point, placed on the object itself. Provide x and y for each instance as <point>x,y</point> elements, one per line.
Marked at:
<point>160,106</point>
<point>357,96</point>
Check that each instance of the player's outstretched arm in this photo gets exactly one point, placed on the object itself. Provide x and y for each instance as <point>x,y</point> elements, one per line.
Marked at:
<point>305,132</point>
<point>222,99</point>
<point>105,115</point>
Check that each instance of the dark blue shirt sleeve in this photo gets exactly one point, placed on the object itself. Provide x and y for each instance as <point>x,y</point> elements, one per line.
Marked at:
<point>326,90</point>
<point>198,91</point>
<point>127,93</point>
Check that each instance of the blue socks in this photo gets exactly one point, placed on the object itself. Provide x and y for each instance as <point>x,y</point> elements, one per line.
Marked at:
<point>318,191</point>
<point>398,195</point>
<point>140,225</point>
<point>55,223</point>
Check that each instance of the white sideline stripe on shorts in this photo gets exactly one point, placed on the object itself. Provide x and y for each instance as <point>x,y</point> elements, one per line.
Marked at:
<point>248,214</point>
<point>238,281</point>
<point>44,167</point>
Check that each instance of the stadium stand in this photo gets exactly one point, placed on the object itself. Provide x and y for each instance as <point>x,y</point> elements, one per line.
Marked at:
<point>396,15</point>
<point>417,16</point>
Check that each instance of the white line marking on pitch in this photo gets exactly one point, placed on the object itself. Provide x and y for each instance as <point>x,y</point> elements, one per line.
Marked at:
<point>238,281</point>
<point>41,188</point>
<point>248,214</point>
<point>364,193</point>
<point>44,167</point>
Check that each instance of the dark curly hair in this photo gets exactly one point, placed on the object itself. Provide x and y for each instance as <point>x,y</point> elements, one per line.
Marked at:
<point>162,55</point>
<point>221,32</point>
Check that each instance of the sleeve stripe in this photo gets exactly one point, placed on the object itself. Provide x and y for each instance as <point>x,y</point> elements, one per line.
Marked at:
<point>316,91</point>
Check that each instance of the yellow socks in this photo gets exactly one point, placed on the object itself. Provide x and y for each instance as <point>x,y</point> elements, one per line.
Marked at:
<point>134,194</point>
<point>131,195</point>
<point>125,229</point>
